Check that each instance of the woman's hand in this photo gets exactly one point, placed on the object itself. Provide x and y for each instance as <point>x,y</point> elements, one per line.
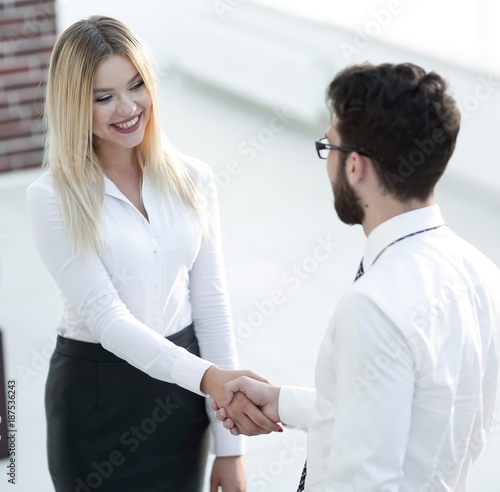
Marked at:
<point>246,416</point>
<point>228,473</point>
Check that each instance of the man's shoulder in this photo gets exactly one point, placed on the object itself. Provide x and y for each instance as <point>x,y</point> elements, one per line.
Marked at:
<point>426,275</point>
<point>434,258</point>
<point>461,259</point>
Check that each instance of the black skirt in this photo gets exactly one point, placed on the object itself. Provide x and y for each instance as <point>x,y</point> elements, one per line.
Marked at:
<point>111,427</point>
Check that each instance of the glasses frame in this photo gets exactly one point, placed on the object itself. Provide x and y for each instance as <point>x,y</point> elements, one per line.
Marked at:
<point>323,144</point>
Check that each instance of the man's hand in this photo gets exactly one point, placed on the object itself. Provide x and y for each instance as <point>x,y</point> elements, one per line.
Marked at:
<point>245,415</point>
<point>241,399</point>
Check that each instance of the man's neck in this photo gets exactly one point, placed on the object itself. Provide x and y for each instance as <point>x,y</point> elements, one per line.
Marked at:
<point>387,208</point>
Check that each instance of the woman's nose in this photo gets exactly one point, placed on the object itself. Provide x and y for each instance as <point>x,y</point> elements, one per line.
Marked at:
<point>126,106</point>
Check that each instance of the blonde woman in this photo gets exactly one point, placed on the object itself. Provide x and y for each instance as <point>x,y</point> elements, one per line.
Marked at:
<point>129,231</point>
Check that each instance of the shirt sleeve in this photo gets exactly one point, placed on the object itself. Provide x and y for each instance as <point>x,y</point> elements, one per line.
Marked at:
<point>371,368</point>
<point>211,312</point>
<point>296,406</point>
<point>86,285</point>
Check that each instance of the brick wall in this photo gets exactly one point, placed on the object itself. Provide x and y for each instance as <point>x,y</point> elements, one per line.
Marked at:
<point>27,34</point>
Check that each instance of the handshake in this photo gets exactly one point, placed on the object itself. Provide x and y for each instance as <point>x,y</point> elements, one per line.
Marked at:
<point>245,402</point>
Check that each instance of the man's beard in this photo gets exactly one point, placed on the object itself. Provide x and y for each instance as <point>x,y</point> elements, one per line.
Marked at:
<point>347,203</point>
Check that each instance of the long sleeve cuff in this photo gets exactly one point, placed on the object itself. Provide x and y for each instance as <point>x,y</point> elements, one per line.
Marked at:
<point>296,406</point>
<point>225,444</point>
<point>188,371</point>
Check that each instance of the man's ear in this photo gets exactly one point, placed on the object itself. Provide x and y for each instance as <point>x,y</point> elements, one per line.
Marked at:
<point>357,167</point>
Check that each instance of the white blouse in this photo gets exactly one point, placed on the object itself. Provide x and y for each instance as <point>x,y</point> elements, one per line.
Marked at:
<point>149,280</point>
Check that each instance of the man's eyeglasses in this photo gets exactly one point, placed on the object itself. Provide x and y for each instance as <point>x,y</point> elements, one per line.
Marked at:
<point>323,149</point>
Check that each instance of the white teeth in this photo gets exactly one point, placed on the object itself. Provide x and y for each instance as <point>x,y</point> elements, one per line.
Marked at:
<point>128,124</point>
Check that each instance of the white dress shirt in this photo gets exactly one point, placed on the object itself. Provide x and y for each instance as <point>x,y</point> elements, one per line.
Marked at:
<point>408,371</point>
<point>149,280</point>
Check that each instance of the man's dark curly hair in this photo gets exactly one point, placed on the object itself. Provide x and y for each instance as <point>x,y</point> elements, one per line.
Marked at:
<point>401,114</point>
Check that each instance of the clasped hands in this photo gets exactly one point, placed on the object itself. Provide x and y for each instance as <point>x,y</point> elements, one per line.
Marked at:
<point>244,401</point>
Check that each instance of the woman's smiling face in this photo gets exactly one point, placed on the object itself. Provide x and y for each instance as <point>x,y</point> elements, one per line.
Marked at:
<point>122,105</point>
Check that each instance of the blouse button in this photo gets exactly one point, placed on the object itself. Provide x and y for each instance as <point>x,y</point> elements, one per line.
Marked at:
<point>156,254</point>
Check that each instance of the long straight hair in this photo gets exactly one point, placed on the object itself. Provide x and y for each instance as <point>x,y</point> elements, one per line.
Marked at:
<point>70,155</point>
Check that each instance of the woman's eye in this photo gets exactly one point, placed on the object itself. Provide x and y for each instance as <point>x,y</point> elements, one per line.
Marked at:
<point>103,99</point>
<point>137,85</point>
<point>106,98</point>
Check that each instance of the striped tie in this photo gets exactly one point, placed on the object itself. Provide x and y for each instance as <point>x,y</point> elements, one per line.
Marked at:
<point>302,482</point>
<point>360,271</point>
<point>303,478</point>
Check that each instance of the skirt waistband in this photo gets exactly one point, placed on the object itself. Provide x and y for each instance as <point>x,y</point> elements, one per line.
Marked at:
<point>95,352</point>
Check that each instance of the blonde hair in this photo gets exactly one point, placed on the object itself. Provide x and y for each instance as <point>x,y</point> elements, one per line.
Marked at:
<point>69,153</point>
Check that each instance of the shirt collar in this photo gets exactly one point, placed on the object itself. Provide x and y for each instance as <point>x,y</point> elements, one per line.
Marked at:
<point>397,227</point>
<point>111,189</point>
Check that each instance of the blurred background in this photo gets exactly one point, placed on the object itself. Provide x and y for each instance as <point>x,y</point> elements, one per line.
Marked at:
<point>242,87</point>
